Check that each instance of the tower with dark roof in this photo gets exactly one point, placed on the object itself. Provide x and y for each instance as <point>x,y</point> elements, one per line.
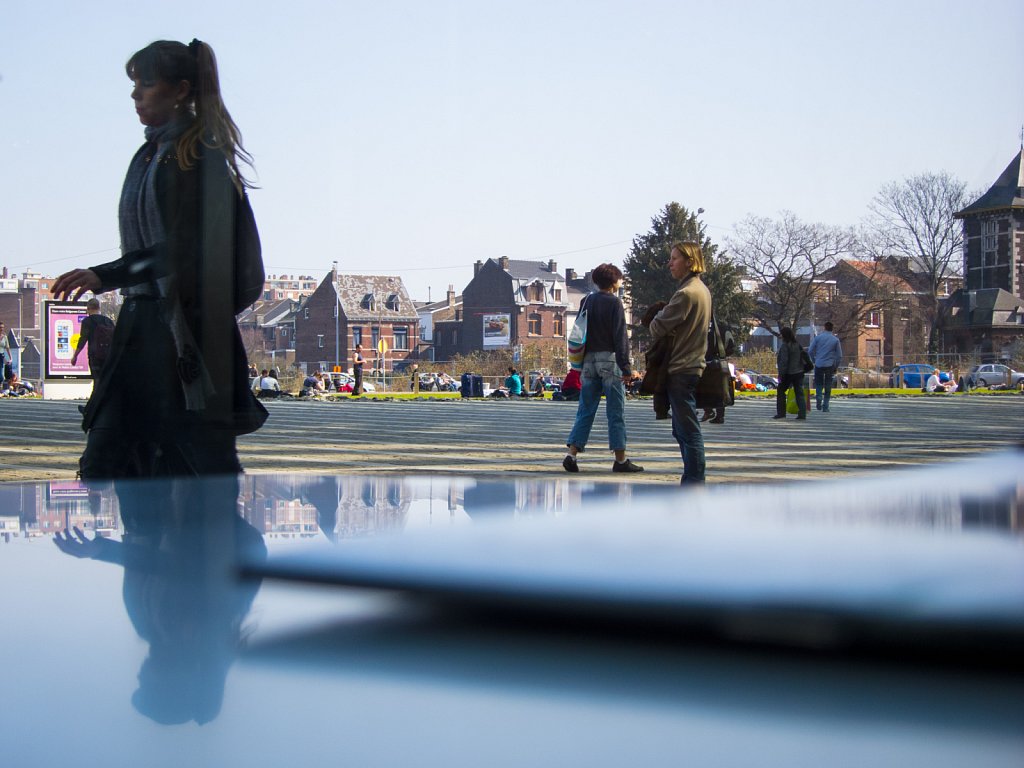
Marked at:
<point>994,234</point>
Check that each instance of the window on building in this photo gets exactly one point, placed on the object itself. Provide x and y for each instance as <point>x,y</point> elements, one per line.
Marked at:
<point>392,302</point>
<point>559,329</point>
<point>558,294</point>
<point>535,292</point>
<point>367,302</point>
<point>873,319</point>
<point>320,340</point>
<point>989,233</point>
<point>305,313</point>
<point>401,337</point>
<point>357,335</point>
<point>533,324</point>
<point>376,336</point>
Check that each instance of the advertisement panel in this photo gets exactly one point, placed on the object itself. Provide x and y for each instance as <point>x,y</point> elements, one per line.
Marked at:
<point>62,321</point>
<point>497,330</point>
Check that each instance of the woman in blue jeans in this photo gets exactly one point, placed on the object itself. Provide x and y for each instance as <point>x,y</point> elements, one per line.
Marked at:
<point>606,371</point>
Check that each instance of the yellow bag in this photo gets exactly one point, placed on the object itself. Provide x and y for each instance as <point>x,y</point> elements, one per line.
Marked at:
<point>791,406</point>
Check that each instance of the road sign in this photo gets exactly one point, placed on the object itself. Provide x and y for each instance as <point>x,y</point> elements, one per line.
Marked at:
<point>382,346</point>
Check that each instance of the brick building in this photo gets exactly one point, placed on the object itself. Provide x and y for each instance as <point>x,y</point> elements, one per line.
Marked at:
<point>346,310</point>
<point>506,304</point>
<point>268,332</point>
<point>986,317</point>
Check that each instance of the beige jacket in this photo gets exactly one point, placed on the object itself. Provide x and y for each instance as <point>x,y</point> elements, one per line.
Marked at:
<point>686,318</point>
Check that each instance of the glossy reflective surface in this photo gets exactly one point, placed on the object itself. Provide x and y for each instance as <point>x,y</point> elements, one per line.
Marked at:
<point>138,644</point>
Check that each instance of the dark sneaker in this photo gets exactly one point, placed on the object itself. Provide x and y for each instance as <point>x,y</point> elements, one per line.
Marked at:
<point>626,466</point>
<point>717,420</point>
<point>570,465</point>
<point>778,417</point>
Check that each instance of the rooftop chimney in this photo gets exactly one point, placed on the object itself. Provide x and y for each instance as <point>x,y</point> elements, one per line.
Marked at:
<point>552,266</point>
<point>503,262</point>
<point>451,296</point>
<point>476,267</point>
<point>570,274</point>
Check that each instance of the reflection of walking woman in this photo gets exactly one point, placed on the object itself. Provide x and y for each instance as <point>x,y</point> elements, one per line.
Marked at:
<point>605,371</point>
<point>181,196</point>
<point>791,374</point>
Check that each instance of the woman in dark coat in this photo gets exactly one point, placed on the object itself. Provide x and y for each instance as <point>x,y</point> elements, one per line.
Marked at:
<point>791,374</point>
<point>174,394</point>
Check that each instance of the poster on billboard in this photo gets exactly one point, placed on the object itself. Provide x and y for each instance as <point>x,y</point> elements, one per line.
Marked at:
<point>62,321</point>
<point>496,330</point>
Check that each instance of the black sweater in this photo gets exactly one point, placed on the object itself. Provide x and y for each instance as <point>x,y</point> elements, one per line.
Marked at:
<point>606,327</point>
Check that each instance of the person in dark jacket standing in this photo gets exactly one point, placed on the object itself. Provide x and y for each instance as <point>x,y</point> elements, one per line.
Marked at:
<point>606,371</point>
<point>181,202</point>
<point>95,335</point>
<point>791,374</point>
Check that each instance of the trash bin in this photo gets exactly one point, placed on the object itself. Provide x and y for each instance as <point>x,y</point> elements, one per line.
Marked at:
<point>472,385</point>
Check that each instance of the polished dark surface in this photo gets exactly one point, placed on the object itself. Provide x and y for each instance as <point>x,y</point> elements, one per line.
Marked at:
<point>135,642</point>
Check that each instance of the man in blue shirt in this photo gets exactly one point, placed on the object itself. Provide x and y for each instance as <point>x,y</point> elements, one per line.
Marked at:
<point>827,353</point>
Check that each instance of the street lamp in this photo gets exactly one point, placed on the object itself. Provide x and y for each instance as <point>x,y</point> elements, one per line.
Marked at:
<point>334,279</point>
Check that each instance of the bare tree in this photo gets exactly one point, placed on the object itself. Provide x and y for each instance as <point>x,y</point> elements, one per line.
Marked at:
<point>788,258</point>
<point>913,219</point>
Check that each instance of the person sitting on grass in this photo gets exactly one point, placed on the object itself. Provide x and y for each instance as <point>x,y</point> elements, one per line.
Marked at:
<point>513,383</point>
<point>15,387</point>
<point>935,384</point>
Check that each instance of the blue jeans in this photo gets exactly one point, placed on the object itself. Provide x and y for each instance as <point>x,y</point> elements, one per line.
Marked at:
<point>823,384</point>
<point>600,376</point>
<point>682,389</point>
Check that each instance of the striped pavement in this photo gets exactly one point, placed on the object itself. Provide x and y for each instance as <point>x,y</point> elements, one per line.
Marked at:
<point>43,439</point>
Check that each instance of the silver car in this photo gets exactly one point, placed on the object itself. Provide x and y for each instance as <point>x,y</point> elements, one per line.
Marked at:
<point>995,375</point>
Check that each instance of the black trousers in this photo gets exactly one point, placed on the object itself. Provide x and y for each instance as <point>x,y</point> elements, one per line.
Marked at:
<point>796,381</point>
<point>111,453</point>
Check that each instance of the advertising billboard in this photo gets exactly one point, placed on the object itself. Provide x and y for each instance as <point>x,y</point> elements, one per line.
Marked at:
<point>62,321</point>
<point>496,330</point>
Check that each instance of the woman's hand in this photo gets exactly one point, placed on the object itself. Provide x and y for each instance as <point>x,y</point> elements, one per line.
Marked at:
<point>77,281</point>
<point>77,545</point>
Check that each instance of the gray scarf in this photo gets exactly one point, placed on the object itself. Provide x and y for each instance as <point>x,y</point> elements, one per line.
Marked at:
<point>141,227</point>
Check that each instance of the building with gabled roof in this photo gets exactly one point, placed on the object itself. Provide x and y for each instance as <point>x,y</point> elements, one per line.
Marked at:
<point>268,332</point>
<point>432,315</point>
<point>346,310</point>
<point>508,303</point>
<point>986,316</point>
<point>994,234</point>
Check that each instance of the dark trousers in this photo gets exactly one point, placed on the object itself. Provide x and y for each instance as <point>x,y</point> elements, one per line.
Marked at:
<point>112,454</point>
<point>682,390</point>
<point>357,386</point>
<point>796,381</point>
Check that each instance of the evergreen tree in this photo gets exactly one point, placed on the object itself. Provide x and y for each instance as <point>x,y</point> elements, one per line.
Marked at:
<point>648,279</point>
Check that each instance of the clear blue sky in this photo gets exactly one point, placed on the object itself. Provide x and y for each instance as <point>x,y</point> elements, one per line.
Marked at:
<point>414,138</point>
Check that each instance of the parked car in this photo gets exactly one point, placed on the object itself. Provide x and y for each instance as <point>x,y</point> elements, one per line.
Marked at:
<point>344,382</point>
<point>994,375</point>
<point>915,375</point>
<point>437,382</point>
